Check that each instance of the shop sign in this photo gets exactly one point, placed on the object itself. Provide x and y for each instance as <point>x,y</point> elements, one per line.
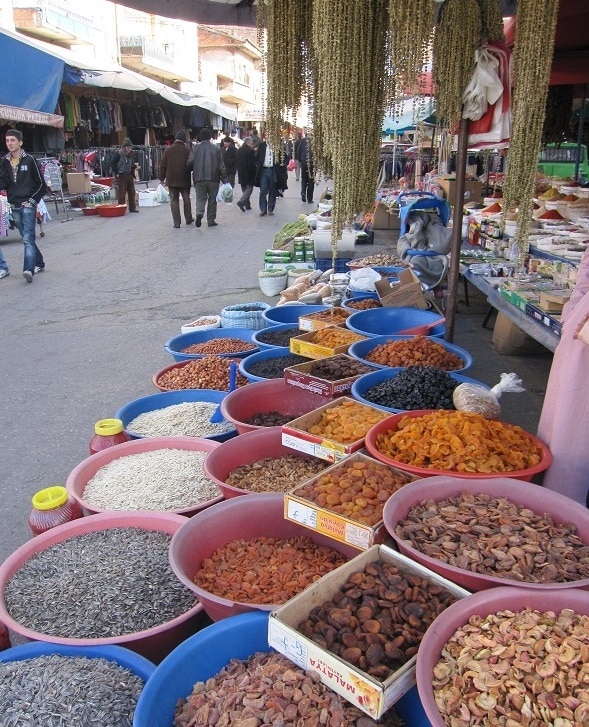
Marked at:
<point>26,116</point>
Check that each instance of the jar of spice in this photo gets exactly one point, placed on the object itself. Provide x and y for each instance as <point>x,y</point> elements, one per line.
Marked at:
<point>107,433</point>
<point>52,506</point>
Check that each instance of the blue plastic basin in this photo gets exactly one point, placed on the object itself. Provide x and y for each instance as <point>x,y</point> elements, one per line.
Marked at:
<point>367,381</point>
<point>389,321</point>
<point>361,349</point>
<point>290,313</point>
<point>175,345</point>
<point>279,327</point>
<point>275,352</point>
<point>203,655</point>
<point>168,398</point>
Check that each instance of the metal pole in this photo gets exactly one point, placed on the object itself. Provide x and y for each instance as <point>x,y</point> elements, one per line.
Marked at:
<point>453,270</point>
<point>580,133</point>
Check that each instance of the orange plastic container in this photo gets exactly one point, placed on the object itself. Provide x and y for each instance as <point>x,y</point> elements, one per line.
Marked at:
<point>107,433</point>
<point>51,507</point>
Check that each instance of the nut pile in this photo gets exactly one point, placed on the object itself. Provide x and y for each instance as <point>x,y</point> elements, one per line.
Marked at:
<point>516,668</point>
<point>356,490</point>
<point>417,351</point>
<point>347,422</point>
<point>458,441</point>
<point>380,259</point>
<point>338,367</point>
<point>189,419</point>
<point>416,387</point>
<point>268,689</point>
<point>220,345</point>
<point>210,372</point>
<point>378,617</point>
<point>363,304</point>
<point>275,474</point>
<point>493,535</point>
<point>266,570</point>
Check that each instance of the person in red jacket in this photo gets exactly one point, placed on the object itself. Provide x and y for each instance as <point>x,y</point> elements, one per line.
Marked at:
<point>24,184</point>
<point>176,175</point>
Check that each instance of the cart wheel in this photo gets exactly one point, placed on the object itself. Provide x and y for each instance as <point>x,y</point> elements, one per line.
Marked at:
<point>42,234</point>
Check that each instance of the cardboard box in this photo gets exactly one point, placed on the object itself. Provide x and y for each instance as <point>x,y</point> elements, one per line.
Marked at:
<point>554,302</point>
<point>301,376</point>
<point>508,339</point>
<point>79,183</point>
<point>380,219</point>
<point>324,319</point>
<point>372,696</point>
<point>147,198</point>
<point>306,345</point>
<point>295,434</point>
<point>320,519</point>
<point>290,266</point>
<point>550,320</point>
<point>472,190</point>
<point>406,293</point>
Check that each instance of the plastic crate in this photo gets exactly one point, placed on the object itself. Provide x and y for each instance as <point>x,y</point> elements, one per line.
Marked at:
<point>326,263</point>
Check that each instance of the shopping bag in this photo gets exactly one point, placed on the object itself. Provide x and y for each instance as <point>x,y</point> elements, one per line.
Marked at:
<point>291,165</point>
<point>161,194</point>
<point>225,193</point>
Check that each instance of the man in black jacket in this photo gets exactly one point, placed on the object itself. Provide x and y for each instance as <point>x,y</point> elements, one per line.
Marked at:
<point>24,184</point>
<point>123,167</point>
<point>246,170</point>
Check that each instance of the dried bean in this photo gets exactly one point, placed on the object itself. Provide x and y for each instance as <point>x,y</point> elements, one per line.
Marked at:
<point>492,535</point>
<point>416,387</point>
<point>417,351</point>
<point>275,474</point>
<point>273,368</point>
<point>220,345</point>
<point>514,668</point>
<point>356,490</point>
<point>268,689</point>
<point>374,617</point>
<point>210,372</point>
<point>265,570</point>
<point>278,338</point>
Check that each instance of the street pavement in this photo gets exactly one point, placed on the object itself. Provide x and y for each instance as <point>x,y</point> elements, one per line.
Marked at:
<point>88,334</point>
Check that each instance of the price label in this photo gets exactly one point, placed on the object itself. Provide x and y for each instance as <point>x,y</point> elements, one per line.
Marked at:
<point>288,644</point>
<point>302,514</point>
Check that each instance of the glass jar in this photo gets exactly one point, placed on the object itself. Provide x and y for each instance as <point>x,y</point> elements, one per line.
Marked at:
<point>107,433</point>
<point>52,506</point>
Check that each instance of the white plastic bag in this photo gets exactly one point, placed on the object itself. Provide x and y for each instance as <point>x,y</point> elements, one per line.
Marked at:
<point>475,398</point>
<point>161,194</point>
<point>225,193</point>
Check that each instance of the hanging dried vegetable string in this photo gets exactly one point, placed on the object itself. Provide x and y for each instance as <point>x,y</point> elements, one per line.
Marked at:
<point>457,36</point>
<point>532,59</point>
<point>349,65</point>
<point>491,20</point>
<point>411,32</point>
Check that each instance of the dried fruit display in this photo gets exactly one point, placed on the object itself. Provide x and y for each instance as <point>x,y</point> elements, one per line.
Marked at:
<point>516,668</point>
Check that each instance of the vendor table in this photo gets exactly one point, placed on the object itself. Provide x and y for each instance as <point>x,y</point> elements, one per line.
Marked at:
<point>537,331</point>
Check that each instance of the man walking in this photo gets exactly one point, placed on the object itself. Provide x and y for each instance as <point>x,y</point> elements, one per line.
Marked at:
<point>246,170</point>
<point>24,184</point>
<point>123,167</point>
<point>175,173</point>
<point>266,178</point>
<point>206,163</point>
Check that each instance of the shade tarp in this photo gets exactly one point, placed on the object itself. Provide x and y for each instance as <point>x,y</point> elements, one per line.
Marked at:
<point>411,112</point>
<point>13,114</point>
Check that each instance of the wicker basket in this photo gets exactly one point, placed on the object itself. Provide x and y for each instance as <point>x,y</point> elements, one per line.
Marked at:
<point>244,315</point>
<point>272,282</point>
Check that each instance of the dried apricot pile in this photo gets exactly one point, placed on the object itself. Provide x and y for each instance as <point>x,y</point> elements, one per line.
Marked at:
<point>347,422</point>
<point>459,441</point>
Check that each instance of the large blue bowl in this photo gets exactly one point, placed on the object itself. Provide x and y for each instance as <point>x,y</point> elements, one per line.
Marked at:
<point>389,321</point>
<point>175,345</point>
<point>367,381</point>
<point>289,313</point>
<point>361,349</point>
<point>203,655</point>
<point>245,363</point>
<point>168,398</point>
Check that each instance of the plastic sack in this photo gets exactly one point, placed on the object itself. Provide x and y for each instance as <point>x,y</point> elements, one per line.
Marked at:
<point>161,194</point>
<point>477,399</point>
<point>363,279</point>
<point>291,165</point>
<point>225,193</point>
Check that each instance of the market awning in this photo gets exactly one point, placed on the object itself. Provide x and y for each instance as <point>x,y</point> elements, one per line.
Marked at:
<point>411,113</point>
<point>26,116</point>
